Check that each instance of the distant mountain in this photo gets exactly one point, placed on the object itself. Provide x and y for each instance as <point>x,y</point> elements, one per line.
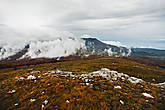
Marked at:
<point>63,47</point>
<point>96,47</point>
<point>18,54</point>
<point>69,46</point>
<point>147,52</point>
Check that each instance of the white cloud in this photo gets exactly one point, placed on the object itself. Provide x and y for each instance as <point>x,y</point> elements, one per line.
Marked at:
<point>43,42</point>
<point>116,43</point>
<point>107,19</point>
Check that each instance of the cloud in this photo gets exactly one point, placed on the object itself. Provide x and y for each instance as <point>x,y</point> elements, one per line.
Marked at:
<point>106,19</point>
<point>116,43</point>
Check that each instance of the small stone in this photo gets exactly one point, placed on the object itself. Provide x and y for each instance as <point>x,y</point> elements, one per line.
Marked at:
<point>147,95</point>
<point>16,104</point>
<point>32,100</point>
<point>67,101</point>
<point>31,77</point>
<point>12,91</point>
<point>42,106</point>
<point>46,102</point>
<point>121,102</point>
<point>117,87</point>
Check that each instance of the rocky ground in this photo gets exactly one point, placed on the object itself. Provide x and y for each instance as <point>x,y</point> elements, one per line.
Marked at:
<point>93,84</point>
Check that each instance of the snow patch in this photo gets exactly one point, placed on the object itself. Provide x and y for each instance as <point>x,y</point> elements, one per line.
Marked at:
<point>109,51</point>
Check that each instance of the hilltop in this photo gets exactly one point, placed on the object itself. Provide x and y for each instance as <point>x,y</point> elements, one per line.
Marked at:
<point>83,83</point>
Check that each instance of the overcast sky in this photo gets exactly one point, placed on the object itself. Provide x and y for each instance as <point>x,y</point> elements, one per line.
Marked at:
<point>133,22</point>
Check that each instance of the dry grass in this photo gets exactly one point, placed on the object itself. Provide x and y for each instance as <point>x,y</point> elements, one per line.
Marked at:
<point>65,93</point>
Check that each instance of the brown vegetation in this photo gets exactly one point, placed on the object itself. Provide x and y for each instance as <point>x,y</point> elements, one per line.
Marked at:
<point>65,93</point>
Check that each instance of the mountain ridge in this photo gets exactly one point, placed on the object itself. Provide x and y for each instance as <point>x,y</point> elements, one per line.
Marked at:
<point>85,46</point>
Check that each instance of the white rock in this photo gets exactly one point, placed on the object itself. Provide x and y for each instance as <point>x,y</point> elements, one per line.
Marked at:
<point>86,80</point>
<point>52,72</point>
<point>46,102</point>
<point>87,84</point>
<point>42,106</point>
<point>121,102</point>
<point>67,101</point>
<point>16,104</point>
<point>30,69</point>
<point>135,80</point>
<point>32,100</point>
<point>35,72</point>
<point>105,73</point>
<point>117,87</point>
<point>16,77</point>
<point>12,91</point>
<point>21,78</point>
<point>162,85</point>
<point>58,58</point>
<point>31,77</point>
<point>45,73</point>
<point>58,71</point>
<point>147,95</point>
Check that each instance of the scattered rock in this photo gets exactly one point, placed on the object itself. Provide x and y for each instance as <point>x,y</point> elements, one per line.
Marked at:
<point>121,102</point>
<point>12,91</point>
<point>35,72</point>
<point>42,106</point>
<point>46,102</point>
<point>135,80</point>
<point>21,78</point>
<point>16,104</point>
<point>117,87</point>
<point>147,95</point>
<point>67,101</point>
<point>162,85</point>
<point>31,77</point>
<point>32,100</point>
